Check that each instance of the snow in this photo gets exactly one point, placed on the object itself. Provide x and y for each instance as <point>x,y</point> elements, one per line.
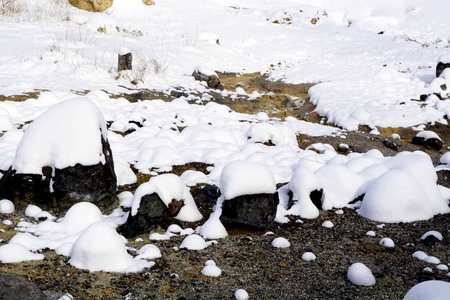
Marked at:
<point>101,248</point>
<point>241,294</point>
<point>434,233</point>
<point>168,187</point>
<point>211,269</point>
<point>359,274</point>
<point>245,178</point>
<point>308,256</point>
<point>148,251</point>
<point>363,78</point>
<point>327,224</point>
<point>13,253</point>
<point>76,139</point>
<point>426,135</point>
<point>194,242</point>
<point>387,242</point>
<point>6,206</point>
<point>371,233</point>
<point>433,289</point>
<point>280,242</point>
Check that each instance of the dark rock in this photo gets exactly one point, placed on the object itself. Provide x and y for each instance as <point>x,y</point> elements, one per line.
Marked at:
<point>443,178</point>
<point>209,194</point>
<point>390,145</point>
<point>286,102</point>
<point>255,211</point>
<point>96,184</point>
<point>430,240</point>
<point>212,81</point>
<point>13,287</point>
<point>125,62</point>
<point>178,94</point>
<point>315,196</point>
<point>431,143</point>
<point>151,213</point>
<point>441,67</point>
<point>358,149</point>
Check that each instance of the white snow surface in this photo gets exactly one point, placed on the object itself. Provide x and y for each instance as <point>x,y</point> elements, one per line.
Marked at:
<point>66,134</point>
<point>101,248</point>
<point>280,242</point>
<point>6,206</point>
<point>359,274</point>
<point>433,289</point>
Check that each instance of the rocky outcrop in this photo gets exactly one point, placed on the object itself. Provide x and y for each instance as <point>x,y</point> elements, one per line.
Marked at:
<point>210,77</point>
<point>96,184</point>
<point>430,142</point>
<point>13,286</point>
<point>255,211</point>
<point>151,213</point>
<point>92,5</point>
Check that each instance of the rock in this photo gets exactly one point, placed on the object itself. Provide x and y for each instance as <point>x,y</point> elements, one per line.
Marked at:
<point>441,66</point>
<point>443,178</point>
<point>125,61</point>
<point>255,211</point>
<point>390,145</point>
<point>148,2</point>
<point>211,78</point>
<point>92,5</point>
<point>209,194</point>
<point>13,286</point>
<point>428,139</point>
<point>96,184</point>
<point>151,213</point>
<point>63,158</point>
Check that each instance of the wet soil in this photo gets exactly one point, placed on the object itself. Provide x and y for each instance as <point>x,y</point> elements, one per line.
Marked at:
<point>246,258</point>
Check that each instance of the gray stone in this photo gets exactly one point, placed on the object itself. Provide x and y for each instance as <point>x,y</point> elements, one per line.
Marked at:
<point>211,80</point>
<point>152,212</point>
<point>13,287</point>
<point>254,211</point>
<point>441,67</point>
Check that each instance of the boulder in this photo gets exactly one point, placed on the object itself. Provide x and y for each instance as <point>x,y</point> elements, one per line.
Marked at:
<point>63,158</point>
<point>255,211</point>
<point>13,286</point>
<point>148,2</point>
<point>152,212</point>
<point>443,178</point>
<point>440,67</point>
<point>59,191</point>
<point>210,77</point>
<point>92,5</point>
<point>428,139</point>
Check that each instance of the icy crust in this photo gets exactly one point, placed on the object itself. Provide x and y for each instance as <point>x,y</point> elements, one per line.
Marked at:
<point>67,134</point>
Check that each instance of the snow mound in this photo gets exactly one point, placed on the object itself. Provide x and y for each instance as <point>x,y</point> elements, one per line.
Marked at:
<point>194,242</point>
<point>6,206</point>
<point>241,294</point>
<point>66,134</point>
<point>211,269</point>
<point>359,274</point>
<point>280,242</point>
<point>433,289</point>
<point>14,253</point>
<point>148,251</point>
<point>244,178</point>
<point>101,248</point>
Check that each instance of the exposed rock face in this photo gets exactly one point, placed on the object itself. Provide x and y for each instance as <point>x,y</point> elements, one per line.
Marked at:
<point>67,186</point>
<point>255,211</point>
<point>92,5</point>
<point>431,143</point>
<point>17,287</point>
<point>151,213</point>
<point>441,67</point>
<point>212,80</point>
